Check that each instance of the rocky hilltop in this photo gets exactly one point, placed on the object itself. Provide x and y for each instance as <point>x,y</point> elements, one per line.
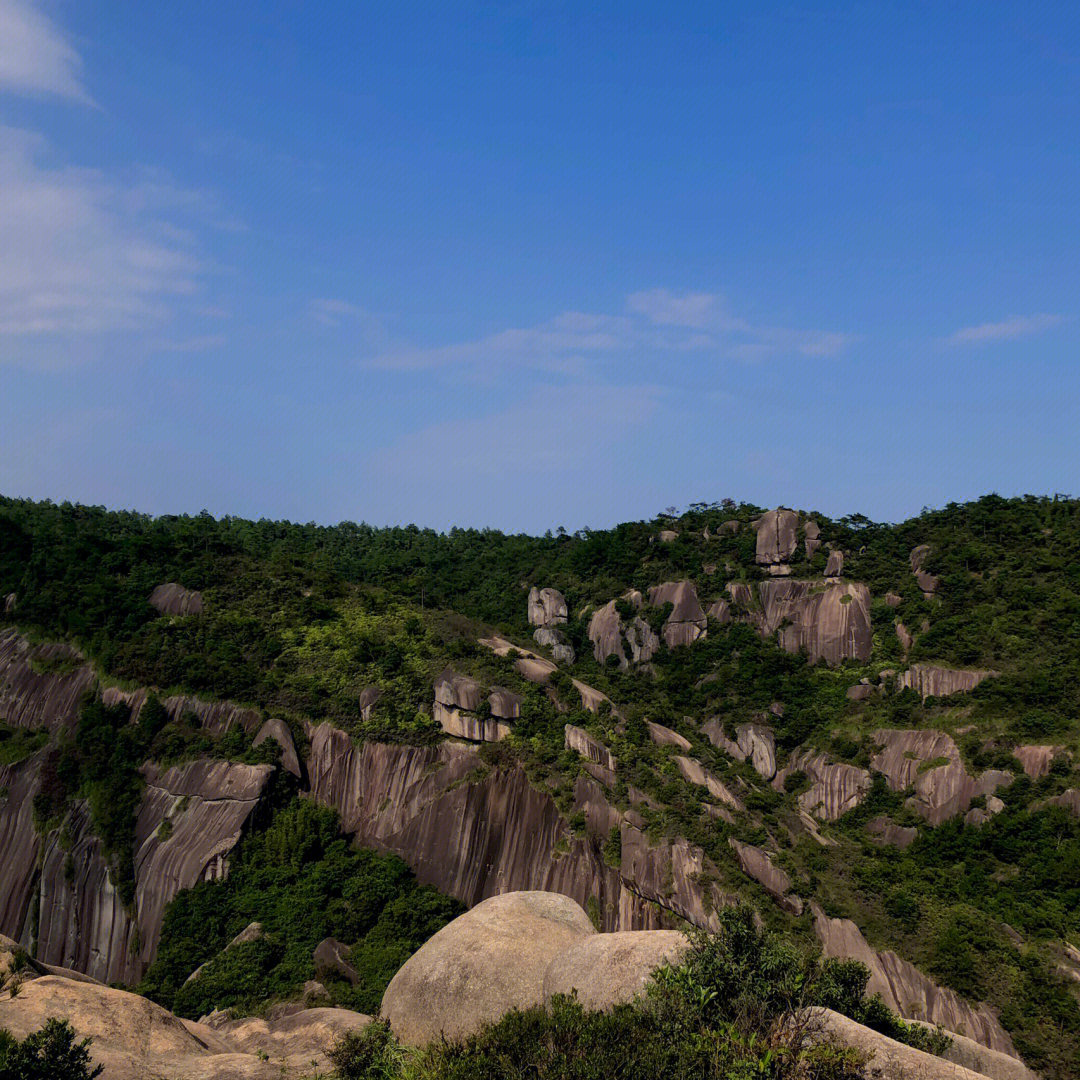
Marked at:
<point>857,728</point>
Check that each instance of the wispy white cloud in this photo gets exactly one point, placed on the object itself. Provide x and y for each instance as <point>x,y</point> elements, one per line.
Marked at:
<point>82,252</point>
<point>654,321</point>
<point>35,55</point>
<point>194,344</point>
<point>1014,327</point>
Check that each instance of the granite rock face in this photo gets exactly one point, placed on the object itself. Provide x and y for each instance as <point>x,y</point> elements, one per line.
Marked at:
<point>906,990</point>
<point>835,788</point>
<point>83,924</point>
<point>174,599</point>
<point>758,864</point>
<point>828,621</point>
<point>888,832</point>
<point>593,751</point>
<point>457,699</point>
<point>753,742</point>
<point>933,680</point>
<point>547,607</point>
<point>486,962</point>
<point>279,732</point>
<point>695,773</point>
<point>687,622</point>
<point>930,761</point>
<point>41,686</point>
<point>835,565</point>
<point>665,736</point>
<point>776,536</point>
<point>1036,760</point>
<point>605,970</point>
<point>812,533</point>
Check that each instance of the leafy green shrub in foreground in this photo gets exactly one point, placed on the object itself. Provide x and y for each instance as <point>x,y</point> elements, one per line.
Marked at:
<point>735,1009</point>
<point>50,1053</point>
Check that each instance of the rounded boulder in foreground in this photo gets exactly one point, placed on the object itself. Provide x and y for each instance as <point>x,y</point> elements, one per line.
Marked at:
<point>483,964</point>
<point>611,969</point>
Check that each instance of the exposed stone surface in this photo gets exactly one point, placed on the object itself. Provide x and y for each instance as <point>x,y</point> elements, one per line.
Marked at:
<point>888,832</point>
<point>983,1061</point>
<point>861,691</point>
<point>484,963</point>
<point>729,528</point>
<point>776,536</point>
<point>741,593</point>
<point>828,621</point>
<point>758,744</point>
<point>551,637</point>
<point>812,532</point>
<point>19,843</point>
<point>10,603</point>
<point>134,1039</point>
<point>83,924</point>
<point>505,704</point>
<point>48,697</point>
<point>547,607</point>
<point>1069,799</point>
<point>252,932</point>
<point>279,731</point>
<point>368,699</point>
<point>609,969</point>
<point>215,717</point>
<point>331,957</point>
<point>889,1059</point>
<point>174,599</point>
<point>1036,760</point>
<point>903,635</point>
<point>720,610</point>
<point>664,736</point>
<point>835,787</point>
<point>894,600</point>
<point>942,790</point>
<point>907,990</point>
<point>605,632</point>
<point>469,838</point>
<point>686,623</point>
<point>592,749</point>
<point>693,771</point>
<point>759,865</point>
<point>668,536</point>
<point>835,565</point>
<point>457,697</point>
<point>933,680</point>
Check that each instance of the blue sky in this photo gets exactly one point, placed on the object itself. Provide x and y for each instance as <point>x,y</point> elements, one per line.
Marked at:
<point>528,265</point>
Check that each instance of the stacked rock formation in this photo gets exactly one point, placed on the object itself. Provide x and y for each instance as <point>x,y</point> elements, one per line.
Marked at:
<point>547,612</point>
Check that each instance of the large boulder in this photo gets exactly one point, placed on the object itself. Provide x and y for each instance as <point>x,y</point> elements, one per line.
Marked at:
<point>457,699</point>
<point>687,622</point>
<point>835,787</point>
<point>547,607</point>
<point>610,969</point>
<point>827,620</point>
<point>278,730</point>
<point>483,964</point>
<point>934,680</point>
<point>776,536</point>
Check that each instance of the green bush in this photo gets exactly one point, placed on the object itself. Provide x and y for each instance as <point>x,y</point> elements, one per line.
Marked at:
<point>50,1053</point>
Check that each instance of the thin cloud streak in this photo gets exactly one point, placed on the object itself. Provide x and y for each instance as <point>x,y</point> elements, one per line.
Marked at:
<point>36,57</point>
<point>1008,330</point>
<point>655,321</point>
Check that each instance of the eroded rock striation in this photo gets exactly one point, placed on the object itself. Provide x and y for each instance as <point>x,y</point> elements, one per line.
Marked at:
<point>776,536</point>
<point>758,864</point>
<point>934,680</point>
<point>174,599</point>
<point>687,622</point>
<point>930,761</point>
<point>41,686</point>
<point>457,699</point>
<point>906,990</point>
<point>835,788</point>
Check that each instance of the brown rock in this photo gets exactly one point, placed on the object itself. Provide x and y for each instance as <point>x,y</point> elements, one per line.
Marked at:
<point>757,742</point>
<point>664,736</point>
<point>368,699</point>
<point>1036,760</point>
<point>835,566</point>
<point>812,532</point>
<point>331,957</point>
<point>941,791</point>
<point>759,865</point>
<point>829,622</point>
<point>547,607</point>
<point>605,970</point>
<point>776,536</point>
<point>278,730</point>
<point>720,610</point>
<point>906,990</point>
<point>593,750</point>
<point>728,528</point>
<point>483,964</point>
<point>894,600</point>
<point>860,692</point>
<point>693,771</point>
<point>10,603</point>
<point>1069,799</point>
<point>29,699</point>
<point>605,632</point>
<point>174,599</point>
<point>505,704</point>
<point>686,623</point>
<point>668,536</point>
<point>903,636</point>
<point>888,832</point>
<point>457,697</point>
<point>741,593</point>
<point>835,788</point>
<point>933,680</point>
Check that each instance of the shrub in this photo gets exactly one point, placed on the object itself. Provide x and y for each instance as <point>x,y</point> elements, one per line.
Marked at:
<point>50,1053</point>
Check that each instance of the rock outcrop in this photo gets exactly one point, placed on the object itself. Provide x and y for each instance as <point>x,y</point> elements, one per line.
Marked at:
<point>758,864</point>
<point>927,582</point>
<point>486,962</point>
<point>605,970</point>
<point>665,736</point>
<point>828,621</point>
<point>933,680</point>
<point>612,635</point>
<point>547,612</point>
<point>331,959</point>
<point>835,565</point>
<point>174,599</point>
<point>753,742</point>
<point>812,533</point>
<point>133,1038</point>
<point>695,773</point>
<point>81,922</point>
<point>41,686</point>
<point>930,761</point>
<point>888,832</point>
<point>776,536</point>
<point>1036,760</point>
<point>279,732</point>
<point>687,622</point>
<point>595,753</point>
<point>835,788</point>
<point>457,699</point>
<point>906,990</point>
